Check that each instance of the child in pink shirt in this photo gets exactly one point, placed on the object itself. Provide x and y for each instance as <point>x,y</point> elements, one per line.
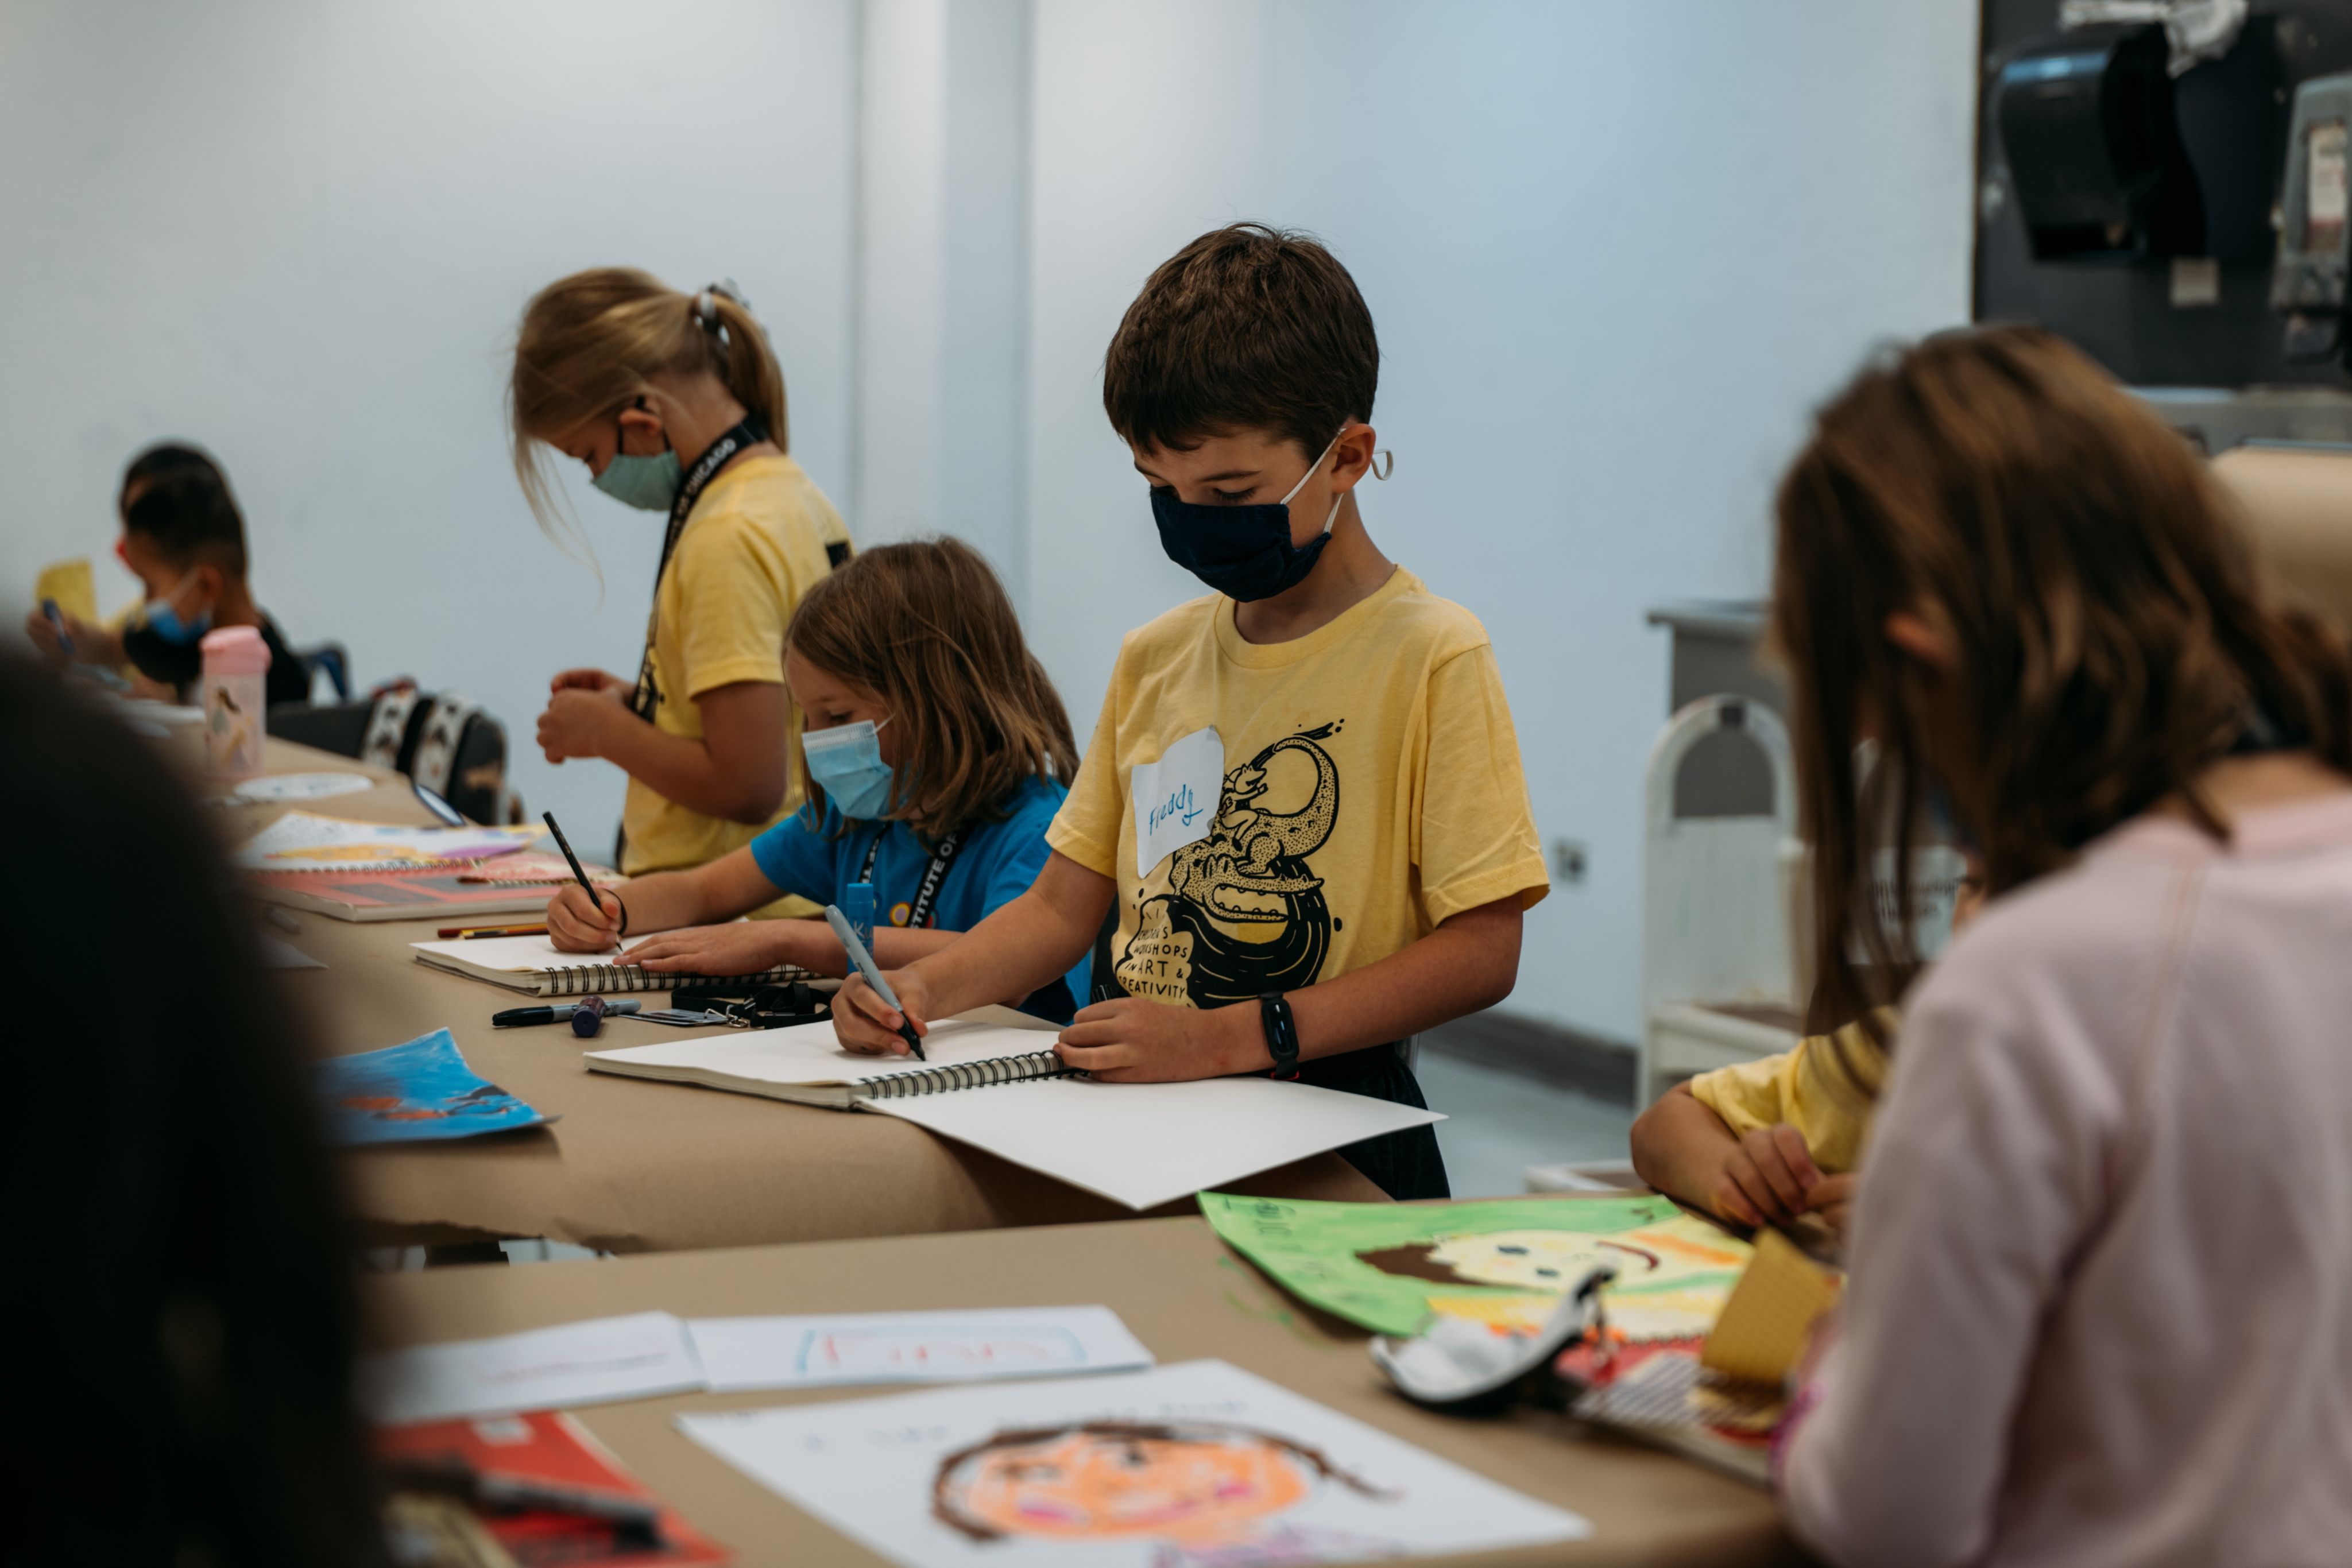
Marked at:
<point>2101,1298</point>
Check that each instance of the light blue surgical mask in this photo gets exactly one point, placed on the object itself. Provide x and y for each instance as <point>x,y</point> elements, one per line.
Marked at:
<point>846,762</point>
<point>161,617</point>
<point>648,484</point>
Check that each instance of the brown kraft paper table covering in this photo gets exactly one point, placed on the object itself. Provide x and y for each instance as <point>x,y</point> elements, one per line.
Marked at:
<point>635,1166</point>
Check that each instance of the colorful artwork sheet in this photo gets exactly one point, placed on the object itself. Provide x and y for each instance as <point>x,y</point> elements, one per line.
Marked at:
<point>1199,1465</point>
<point>541,1456</point>
<point>302,842</point>
<point>1502,1261</point>
<point>421,1091</point>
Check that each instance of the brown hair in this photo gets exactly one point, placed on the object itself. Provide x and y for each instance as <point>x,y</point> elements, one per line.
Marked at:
<point>926,626</point>
<point>590,344</point>
<point>2110,641</point>
<point>1247,328</point>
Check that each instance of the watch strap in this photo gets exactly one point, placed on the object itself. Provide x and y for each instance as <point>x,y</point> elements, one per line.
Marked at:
<point>1281,1034</point>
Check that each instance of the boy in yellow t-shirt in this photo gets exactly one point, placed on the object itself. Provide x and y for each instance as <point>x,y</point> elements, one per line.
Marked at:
<point>1303,791</point>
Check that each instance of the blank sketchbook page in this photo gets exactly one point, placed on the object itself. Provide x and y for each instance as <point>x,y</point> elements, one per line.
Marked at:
<point>1148,1143</point>
<point>515,953</point>
<point>811,1053</point>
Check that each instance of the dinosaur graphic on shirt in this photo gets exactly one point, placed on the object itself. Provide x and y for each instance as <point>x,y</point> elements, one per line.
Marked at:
<point>1244,912</point>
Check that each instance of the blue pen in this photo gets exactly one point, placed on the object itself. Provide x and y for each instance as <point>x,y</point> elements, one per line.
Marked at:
<point>866,966</point>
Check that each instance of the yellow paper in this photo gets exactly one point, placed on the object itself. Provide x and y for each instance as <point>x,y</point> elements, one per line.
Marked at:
<point>69,583</point>
<point>1772,1313</point>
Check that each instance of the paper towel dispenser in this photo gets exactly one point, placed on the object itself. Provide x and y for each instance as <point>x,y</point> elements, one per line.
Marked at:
<point>2314,246</point>
<point>2094,148</point>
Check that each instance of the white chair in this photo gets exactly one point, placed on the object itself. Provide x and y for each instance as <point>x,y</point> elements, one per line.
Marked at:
<point>1719,986</point>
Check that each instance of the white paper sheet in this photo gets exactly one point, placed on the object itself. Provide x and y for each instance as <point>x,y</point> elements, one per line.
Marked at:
<point>960,1346</point>
<point>1186,1467</point>
<point>590,1363</point>
<point>1146,1143</point>
<point>277,787</point>
<point>813,1053</point>
<point>300,841</point>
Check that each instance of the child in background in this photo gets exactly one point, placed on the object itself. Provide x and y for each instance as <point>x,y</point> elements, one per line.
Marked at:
<point>183,538</point>
<point>1766,1140</point>
<point>1315,762</point>
<point>676,404</point>
<point>2098,1303</point>
<point>936,747</point>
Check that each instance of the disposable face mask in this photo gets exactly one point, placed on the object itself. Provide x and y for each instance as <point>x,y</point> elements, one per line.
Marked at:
<point>648,484</point>
<point>1243,552</point>
<point>846,762</point>
<point>161,617</point>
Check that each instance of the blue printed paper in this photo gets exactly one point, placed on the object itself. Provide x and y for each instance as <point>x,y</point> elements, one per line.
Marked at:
<point>416,1092</point>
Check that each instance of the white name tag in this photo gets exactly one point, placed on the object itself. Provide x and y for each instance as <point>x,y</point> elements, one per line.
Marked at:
<point>1176,797</point>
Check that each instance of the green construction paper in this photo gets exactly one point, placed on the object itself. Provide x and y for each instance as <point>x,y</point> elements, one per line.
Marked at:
<point>1313,1250</point>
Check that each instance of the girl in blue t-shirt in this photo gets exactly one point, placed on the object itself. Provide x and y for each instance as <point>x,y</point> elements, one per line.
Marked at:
<point>936,750</point>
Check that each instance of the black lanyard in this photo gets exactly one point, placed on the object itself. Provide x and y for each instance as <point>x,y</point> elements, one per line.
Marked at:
<point>919,915</point>
<point>715,457</point>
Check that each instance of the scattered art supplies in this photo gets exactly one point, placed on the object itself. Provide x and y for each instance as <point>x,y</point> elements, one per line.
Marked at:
<point>421,1091</point>
<point>1191,1466</point>
<point>978,1344</point>
<point>525,1490</point>
<point>1504,1261</point>
<point>594,1362</point>
<point>534,965</point>
<point>1003,1089</point>
<point>1715,1399</point>
<point>368,872</point>
<point>300,841</point>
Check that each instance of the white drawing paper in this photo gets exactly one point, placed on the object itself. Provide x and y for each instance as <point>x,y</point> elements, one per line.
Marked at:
<point>1175,799</point>
<point>274,787</point>
<point>1199,1465</point>
<point>1148,1143</point>
<point>277,954</point>
<point>591,1363</point>
<point>300,841</point>
<point>962,1345</point>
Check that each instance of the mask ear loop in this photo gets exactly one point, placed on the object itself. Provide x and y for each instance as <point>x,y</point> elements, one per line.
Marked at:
<point>1383,464</point>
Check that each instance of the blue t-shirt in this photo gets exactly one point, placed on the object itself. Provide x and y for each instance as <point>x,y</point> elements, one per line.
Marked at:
<point>994,863</point>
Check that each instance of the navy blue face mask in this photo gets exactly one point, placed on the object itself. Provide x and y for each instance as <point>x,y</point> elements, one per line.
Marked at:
<point>1243,552</point>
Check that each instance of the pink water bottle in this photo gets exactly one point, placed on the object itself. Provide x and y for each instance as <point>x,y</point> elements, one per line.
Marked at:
<point>235,693</point>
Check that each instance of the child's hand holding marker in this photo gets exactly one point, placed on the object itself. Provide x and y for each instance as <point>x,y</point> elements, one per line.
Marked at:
<point>576,924</point>
<point>865,1023</point>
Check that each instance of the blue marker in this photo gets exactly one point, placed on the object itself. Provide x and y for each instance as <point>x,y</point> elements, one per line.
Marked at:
<point>56,619</point>
<point>864,960</point>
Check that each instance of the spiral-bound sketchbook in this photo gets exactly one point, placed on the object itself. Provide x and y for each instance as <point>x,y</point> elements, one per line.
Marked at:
<point>533,963</point>
<point>1004,1089</point>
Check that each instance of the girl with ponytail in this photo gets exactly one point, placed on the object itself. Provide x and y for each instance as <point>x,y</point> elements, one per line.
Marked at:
<point>676,404</point>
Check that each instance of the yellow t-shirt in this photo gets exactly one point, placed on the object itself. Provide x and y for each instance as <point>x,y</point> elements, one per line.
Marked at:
<point>1371,789</point>
<point>755,542</point>
<point>1808,1088</point>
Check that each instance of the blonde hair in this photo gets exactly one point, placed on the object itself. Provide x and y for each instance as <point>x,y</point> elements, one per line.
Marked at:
<point>590,344</point>
<point>926,626</point>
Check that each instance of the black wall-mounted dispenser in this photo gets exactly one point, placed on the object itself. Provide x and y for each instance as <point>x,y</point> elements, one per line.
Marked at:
<point>2094,148</point>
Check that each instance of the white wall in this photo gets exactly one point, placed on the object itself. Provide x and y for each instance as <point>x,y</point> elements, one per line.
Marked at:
<point>1614,253</point>
<point>301,232</point>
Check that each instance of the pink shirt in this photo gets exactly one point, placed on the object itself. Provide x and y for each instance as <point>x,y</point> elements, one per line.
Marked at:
<point>2100,1305</point>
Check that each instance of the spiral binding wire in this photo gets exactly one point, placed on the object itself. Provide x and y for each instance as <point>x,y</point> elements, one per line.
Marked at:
<point>966,1075</point>
<point>585,979</point>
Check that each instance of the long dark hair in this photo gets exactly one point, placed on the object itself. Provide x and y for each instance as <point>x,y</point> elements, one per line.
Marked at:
<point>2111,642</point>
<point>190,1313</point>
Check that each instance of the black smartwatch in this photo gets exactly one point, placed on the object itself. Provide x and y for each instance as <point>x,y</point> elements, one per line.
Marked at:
<point>1281,1034</point>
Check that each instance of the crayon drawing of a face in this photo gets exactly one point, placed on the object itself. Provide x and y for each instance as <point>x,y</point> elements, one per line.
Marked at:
<point>1522,1260</point>
<point>1195,1483</point>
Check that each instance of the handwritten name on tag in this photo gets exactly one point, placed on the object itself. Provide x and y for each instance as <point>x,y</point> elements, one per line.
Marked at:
<point>1175,799</point>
